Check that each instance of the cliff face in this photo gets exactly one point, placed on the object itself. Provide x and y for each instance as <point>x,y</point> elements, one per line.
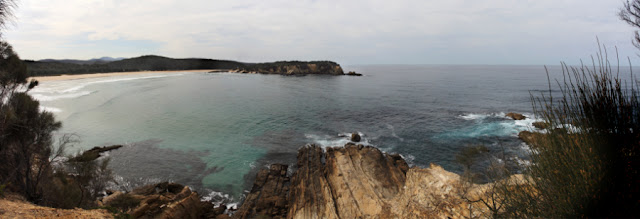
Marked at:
<point>293,68</point>
<point>358,181</point>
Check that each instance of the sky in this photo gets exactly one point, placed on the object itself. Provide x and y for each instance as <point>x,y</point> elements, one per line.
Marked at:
<point>352,32</point>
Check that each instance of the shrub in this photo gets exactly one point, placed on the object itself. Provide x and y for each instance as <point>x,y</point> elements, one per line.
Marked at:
<point>586,165</point>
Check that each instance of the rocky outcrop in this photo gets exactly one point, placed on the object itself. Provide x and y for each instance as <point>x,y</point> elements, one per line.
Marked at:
<point>357,181</point>
<point>353,73</point>
<point>268,196</point>
<point>292,68</point>
<point>163,200</point>
<point>93,153</point>
<point>516,116</point>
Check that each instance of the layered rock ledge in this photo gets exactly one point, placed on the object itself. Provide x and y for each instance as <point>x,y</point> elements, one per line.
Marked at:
<point>357,181</point>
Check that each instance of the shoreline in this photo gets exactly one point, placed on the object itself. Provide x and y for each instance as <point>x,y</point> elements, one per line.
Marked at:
<point>109,74</point>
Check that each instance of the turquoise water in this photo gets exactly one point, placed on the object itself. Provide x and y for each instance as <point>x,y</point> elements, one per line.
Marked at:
<point>214,131</point>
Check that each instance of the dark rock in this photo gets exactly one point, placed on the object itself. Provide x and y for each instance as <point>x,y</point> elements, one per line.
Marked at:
<point>355,137</point>
<point>268,196</point>
<point>515,116</point>
<point>93,153</point>
<point>353,73</point>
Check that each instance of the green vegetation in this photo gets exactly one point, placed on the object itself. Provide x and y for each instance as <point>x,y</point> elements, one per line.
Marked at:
<point>31,159</point>
<point>143,63</point>
<point>586,165</point>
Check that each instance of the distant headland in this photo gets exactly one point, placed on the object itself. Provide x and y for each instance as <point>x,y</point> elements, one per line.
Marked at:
<point>53,67</point>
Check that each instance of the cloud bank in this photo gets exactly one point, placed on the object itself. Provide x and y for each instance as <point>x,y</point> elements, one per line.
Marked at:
<point>350,32</point>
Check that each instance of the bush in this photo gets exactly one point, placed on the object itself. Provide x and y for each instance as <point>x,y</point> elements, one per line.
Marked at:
<point>586,165</point>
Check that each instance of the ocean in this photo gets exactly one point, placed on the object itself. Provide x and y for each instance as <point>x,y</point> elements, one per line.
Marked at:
<point>214,131</point>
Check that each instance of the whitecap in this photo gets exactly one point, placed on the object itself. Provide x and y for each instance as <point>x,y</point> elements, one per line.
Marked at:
<point>220,198</point>
<point>50,109</point>
<point>44,98</point>
<point>336,141</point>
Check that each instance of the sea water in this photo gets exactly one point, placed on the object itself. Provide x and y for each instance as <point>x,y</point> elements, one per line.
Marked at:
<point>214,131</point>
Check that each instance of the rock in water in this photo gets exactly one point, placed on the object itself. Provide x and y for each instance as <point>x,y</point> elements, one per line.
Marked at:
<point>355,137</point>
<point>540,125</point>
<point>515,116</point>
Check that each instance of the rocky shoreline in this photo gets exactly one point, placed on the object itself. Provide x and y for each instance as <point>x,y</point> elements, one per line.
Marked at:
<point>354,181</point>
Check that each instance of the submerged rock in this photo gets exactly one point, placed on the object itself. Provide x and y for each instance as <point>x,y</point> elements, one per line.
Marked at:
<point>516,116</point>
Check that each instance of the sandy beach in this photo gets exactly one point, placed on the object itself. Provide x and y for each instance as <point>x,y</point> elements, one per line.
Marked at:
<point>98,75</point>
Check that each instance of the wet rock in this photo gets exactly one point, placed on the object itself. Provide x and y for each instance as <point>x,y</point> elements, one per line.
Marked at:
<point>529,137</point>
<point>540,125</point>
<point>516,116</point>
<point>355,137</point>
<point>93,153</point>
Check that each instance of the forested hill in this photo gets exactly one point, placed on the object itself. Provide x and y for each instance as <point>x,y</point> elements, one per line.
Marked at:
<point>142,63</point>
<point>158,63</point>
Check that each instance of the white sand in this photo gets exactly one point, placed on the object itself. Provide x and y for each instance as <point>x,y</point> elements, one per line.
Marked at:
<point>98,75</point>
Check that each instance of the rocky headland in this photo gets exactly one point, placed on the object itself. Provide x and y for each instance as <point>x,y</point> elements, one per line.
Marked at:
<point>292,68</point>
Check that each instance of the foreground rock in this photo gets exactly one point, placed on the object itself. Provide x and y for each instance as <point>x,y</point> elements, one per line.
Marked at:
<point>516,116</point>
<point>357,181</point>
<point>163,200</point>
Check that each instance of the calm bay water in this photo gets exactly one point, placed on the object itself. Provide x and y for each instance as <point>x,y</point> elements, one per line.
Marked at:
<point>214,131</point>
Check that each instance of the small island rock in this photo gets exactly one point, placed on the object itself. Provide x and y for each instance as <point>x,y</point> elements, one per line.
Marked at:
<point>355,137</point>
<point>515,116</point>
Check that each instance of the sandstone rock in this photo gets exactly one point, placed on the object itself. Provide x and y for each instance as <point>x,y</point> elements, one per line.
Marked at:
<point>515,116</point>
<point>529,137</point>
<point>166,200</point>
<point>540,125</point>
<point>355,137</point>
<point>357,181</point>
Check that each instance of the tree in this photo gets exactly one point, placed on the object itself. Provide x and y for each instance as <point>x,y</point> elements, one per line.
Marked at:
<point>26,144</point>
<point>630,13</point>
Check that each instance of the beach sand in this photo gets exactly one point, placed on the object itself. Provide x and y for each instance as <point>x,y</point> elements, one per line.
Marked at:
<point>98,75</point>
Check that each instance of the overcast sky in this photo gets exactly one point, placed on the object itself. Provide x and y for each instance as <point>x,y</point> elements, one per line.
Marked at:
<point>349,32</point>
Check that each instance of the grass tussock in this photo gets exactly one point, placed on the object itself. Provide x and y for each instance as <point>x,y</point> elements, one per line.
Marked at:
<point>586,165</point>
